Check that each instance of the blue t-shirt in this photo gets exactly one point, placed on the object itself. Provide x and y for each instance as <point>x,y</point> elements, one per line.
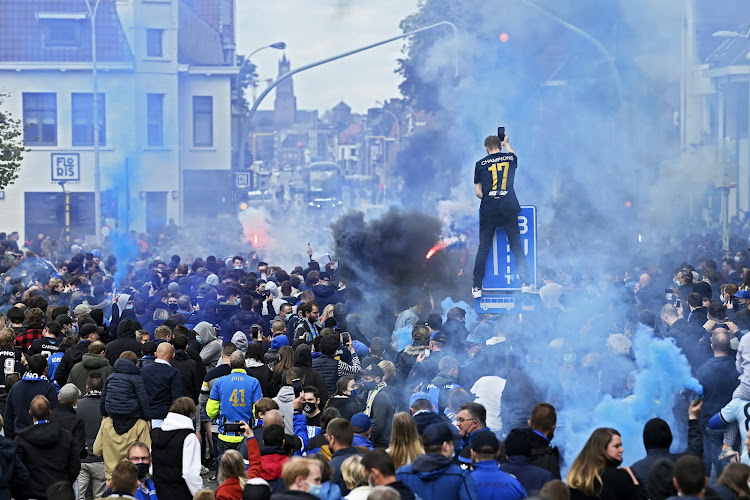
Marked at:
<point>738,410</point>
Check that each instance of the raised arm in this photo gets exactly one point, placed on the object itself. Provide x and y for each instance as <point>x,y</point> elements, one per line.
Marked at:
<point>506,143</point>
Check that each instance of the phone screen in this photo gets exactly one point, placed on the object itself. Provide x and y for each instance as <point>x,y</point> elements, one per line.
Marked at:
<point>346,338</point>
<point>501,133</point>
<point>297,387</point>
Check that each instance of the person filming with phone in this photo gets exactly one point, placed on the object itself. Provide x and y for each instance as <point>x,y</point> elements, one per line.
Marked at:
<point>232,398</point>
<point>494,178</point>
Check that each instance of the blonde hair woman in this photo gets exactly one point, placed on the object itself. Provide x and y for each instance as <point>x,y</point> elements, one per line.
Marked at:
<point>355,478</point>
<point>405,443</point>
<point>232,475</point>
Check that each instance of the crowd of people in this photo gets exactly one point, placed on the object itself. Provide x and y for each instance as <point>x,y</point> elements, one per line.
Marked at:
<point>233,378</point>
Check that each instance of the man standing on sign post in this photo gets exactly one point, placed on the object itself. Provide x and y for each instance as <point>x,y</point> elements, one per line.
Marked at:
<point>493,183</point>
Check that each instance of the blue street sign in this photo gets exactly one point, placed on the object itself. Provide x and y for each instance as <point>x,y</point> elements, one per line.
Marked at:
<point>508,302</point>
<point>500,269</point>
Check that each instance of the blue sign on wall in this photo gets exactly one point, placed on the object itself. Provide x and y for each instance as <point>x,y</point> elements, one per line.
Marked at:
<point>500,269</point>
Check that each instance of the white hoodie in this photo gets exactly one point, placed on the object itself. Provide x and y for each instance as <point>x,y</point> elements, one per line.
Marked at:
<point>191,450</point>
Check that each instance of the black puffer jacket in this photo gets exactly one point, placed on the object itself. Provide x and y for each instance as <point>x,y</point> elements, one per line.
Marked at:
<point>126,341</point>
<point>303,360</point>
<point>124,393</point>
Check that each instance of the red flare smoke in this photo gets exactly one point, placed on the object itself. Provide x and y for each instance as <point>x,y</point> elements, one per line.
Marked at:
<point>437,247</point>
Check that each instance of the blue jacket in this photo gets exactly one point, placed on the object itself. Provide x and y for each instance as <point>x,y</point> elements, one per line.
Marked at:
<point>17,415</point>
<point>360,440</point>
<point>163,386</point>
<point>124,393</point>
<point>494,484</point>
<point>531,477</point>
<point>435,476</point>
<point>13,473</point>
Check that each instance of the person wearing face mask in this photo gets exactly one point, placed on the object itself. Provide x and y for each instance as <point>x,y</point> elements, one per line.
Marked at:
<point>380,406</point>
<point>345,399</point>
<point>311,409</point>
<point>140,455</point>
<point>303,480</point>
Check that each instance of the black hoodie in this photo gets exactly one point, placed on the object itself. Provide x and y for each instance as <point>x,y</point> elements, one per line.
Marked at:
<point>48,452</point>
<point>126,341</point>
<point>303,360</point>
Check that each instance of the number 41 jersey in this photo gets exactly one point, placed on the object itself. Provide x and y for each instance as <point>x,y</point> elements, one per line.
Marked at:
<point>496,173</point>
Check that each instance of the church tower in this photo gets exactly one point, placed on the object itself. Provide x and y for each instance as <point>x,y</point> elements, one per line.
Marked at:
<point>285,105</point>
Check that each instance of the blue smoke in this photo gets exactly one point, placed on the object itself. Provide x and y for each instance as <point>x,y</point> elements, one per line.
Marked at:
<point>663,373</point>
<point>472,318</point>
<point>401,338</point>
<point>125,249</point>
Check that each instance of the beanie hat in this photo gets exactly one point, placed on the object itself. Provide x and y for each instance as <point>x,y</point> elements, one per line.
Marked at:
<point>657,434</point>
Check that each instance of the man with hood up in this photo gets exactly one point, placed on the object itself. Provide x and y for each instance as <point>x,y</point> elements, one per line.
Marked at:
<point>246,318</point>
<point>125,341</point>
<point>325,292</point>
<point>211,351</point>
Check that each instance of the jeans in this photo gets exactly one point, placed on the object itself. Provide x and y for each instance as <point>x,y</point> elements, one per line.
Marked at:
<point>713,440</point>
<point>488,223</point>
<point>92,472</point>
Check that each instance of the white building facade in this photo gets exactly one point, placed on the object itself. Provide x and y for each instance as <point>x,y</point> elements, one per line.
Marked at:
<point>165,69</point>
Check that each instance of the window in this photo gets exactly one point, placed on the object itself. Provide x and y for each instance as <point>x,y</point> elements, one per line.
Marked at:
<point>203,127</point>
<point>40,118</point>
<point>153,43</point>
<point>62,33</point>
<point>155,113</point>
<point>82,114</point>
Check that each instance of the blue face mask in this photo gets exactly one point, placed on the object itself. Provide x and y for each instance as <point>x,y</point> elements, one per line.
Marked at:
<point>370,385</point>
<point>315,489</point>
<point>354,392</point>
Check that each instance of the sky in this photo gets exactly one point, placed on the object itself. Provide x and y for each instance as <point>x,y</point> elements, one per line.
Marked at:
<point>316,29</point>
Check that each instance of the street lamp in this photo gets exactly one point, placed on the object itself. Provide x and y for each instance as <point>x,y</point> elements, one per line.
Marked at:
<point>398,143</point>
<point>95,124</point>
<point>246,59</point>
<point>289,74</point>
<point>731,34</point>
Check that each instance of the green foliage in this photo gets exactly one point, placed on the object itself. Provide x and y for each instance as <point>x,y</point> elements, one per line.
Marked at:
<point>248,77</point>
<point>11,146</point>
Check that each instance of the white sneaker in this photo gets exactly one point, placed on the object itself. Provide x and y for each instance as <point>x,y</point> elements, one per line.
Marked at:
<point>529,288</point>
<point>476,293</point>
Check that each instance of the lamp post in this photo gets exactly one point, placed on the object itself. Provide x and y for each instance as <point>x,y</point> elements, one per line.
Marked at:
<point>246,59</point>
<point>95,124</point>
<point>398,147</point>
<point>727,186</point>
<point>289,74</point>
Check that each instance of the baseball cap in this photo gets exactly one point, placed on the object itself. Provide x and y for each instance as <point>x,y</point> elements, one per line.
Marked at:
<point>279,341</point>
<point>373,370</point>
<point>87,329</point>
<point>439,337</point>
<point>437,434</point>
<point>203,288</point>
<point>68,393</point>
<point>485,442</point>
<point>742,294</point>
<point>361,422</point>
<point>417,396</point>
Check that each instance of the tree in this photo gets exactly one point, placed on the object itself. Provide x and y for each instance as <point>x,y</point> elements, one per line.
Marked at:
<point>11,146</point>
<point>248,77</point>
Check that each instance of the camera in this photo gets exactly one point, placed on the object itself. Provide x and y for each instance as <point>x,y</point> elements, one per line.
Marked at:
<point>232,427</point>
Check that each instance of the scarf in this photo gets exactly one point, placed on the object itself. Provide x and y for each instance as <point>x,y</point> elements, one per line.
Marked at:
<point>371,398</point>
<point>33,376</point>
